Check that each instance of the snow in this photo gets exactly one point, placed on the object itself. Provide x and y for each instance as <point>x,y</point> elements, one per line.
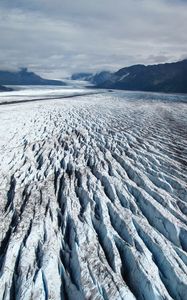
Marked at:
<point>93,196</point>
<point>34,93</point>
<point>124,76</point>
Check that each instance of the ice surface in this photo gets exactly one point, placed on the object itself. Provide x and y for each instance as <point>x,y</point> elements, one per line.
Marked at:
<point>93,197</point>
<point>33,93</point>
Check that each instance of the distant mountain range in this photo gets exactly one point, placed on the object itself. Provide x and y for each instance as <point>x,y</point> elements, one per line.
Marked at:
<point>169,77</point>
<point>95,79</point>
<point>82,76</point>
<point>4,89</point>
<point>24,77</point>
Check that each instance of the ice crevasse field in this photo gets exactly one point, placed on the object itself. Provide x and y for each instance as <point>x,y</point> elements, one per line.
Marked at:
<point>93,195</point>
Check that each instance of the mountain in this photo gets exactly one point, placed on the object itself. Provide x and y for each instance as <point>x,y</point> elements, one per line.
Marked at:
<point>101,77</point>
<point>81,76</point>
<point>4,89</point>
<point>96,79</point>
<point>169,77</point>
<point>25,77</point>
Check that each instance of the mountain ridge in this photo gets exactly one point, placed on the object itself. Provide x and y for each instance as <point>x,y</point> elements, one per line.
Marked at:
<point>4,88</point>
<point>25,77</point>
<point>169,77</point>
<point>166,77</point>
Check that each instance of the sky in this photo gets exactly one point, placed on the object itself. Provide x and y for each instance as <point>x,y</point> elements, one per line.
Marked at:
<point>57,38</point>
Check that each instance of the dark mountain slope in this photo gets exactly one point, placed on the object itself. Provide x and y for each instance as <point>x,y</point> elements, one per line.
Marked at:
<point>96,79</point>
<point>4,89</point>
<point>24,77</point>
<point>81,76</point>
<point>170,77</point>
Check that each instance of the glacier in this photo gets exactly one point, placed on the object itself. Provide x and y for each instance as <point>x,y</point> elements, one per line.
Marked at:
<point>93,196</point>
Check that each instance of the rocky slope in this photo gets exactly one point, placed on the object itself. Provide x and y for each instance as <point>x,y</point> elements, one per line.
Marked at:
<point>96,79</point>
<point>4,89</point>
<point>170,78</point>
<point>93,198</point>
<point>81,76</point>
<point>24,77</point>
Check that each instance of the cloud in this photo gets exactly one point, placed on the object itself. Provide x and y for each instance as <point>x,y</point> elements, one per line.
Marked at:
<point>59,37</point>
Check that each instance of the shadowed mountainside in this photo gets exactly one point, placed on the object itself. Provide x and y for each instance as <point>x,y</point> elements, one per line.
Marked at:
<point>169,78</point>
<point>24,77</point>
<point>4,89</point>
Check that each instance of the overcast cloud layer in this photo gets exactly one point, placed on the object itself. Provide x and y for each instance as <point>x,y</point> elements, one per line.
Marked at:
<point>56,38</point>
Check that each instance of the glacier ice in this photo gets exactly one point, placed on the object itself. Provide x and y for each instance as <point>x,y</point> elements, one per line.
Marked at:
<point>93,198</point>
